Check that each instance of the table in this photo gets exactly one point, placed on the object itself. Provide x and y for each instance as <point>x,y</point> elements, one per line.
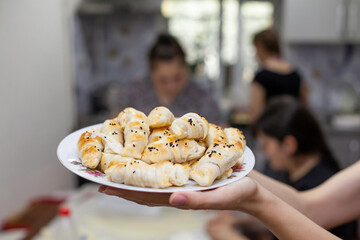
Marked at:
<point>98,216</point>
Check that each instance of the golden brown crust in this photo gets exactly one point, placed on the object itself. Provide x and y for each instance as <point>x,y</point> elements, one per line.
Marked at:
<point>160,117</point>
<point>121,117</point>
<point>173,149</point>
<point>136,134</point>
<point>108,159</point>
<point>112,133</point>
<point>138,173</point>
<point>236,137</point>
<point>89,149</point>
<point>216,161</point>
<point>178,173</point>
<point>157,134</point>
<point>216,134</point>
<point>191,125</point>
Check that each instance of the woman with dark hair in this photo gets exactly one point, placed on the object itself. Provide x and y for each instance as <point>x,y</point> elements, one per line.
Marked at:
<point>293,142</point>
<point>276,76</point>
<point>169,84</point>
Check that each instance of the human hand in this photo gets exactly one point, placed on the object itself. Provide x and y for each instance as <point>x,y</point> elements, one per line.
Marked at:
<point>143,198</point>
<point>240,195</point>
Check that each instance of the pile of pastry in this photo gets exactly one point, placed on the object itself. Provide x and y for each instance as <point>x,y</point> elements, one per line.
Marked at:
<point>160,151</point>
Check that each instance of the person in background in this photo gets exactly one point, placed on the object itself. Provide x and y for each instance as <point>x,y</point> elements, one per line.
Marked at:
<point>276,76</point>
<point>293,142</point>
<point>169,84</point>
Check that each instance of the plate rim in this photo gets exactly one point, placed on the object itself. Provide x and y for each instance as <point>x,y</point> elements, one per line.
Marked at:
<point>251,160</point>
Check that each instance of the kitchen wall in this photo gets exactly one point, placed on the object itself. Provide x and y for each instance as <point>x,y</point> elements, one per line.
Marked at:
<point>333,77</point>
<point>36,99</point>
<point>110,49</point>
<point>332,74</point>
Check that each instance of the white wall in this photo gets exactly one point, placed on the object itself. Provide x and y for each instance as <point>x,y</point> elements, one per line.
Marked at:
<point>36,102</point>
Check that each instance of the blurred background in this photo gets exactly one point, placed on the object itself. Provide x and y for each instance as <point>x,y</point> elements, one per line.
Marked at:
<point>60,59</point>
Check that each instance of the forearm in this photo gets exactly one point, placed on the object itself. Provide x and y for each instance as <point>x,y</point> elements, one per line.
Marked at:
<point>283,191</point>
<point>336,201</point>
<point>283,220</point>
<point>331,204</point>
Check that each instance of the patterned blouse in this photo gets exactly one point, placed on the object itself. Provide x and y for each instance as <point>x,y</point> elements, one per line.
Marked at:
<point>141,96</point>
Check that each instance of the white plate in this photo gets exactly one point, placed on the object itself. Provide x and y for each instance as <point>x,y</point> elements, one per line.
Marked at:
<point>68,156</point>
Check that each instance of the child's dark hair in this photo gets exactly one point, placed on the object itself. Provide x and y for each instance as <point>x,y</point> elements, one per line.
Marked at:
<point>284,116</point>
<point>166,48</point>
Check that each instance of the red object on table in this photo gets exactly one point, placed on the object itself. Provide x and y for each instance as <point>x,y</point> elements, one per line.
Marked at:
<point>64,211</point>
<point>37,214</point>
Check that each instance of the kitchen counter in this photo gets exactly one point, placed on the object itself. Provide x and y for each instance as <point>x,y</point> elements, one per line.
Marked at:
<point>342,130</point>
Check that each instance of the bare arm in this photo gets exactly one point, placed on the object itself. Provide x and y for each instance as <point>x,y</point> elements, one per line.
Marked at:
<point>286,222</point>
<point>283,191</point>
<point>337,201</point>
<point>257,103</point>
<point>244,195</point>
<point>331,204</point>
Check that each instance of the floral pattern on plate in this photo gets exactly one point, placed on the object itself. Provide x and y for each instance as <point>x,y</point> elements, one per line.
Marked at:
<point>90,171</point>
<point>239,168</point>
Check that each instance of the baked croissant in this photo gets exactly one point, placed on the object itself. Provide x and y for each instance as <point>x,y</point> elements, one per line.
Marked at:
<point>191,125</point>
<point>201,142</point>
<point>240,161</point>
<point>226,174</point>
<point>159,133</point>
<point>136,133</point>
<point>216,134</point>
<point>216,161</point>
<point>121,117</point>
<point>138,173</point>
<point>112,136</point>
<point>178,173</point>
<point>173,149</point>
<point>236,137</point>
<point>160,117</point>
<point>108,159</point>
<point>89,148</point>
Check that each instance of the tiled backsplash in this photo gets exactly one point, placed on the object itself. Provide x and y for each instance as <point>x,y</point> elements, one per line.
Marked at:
<point>111,48</point>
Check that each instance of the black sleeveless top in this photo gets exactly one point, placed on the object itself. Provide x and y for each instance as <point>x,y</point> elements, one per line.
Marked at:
<point>276,84</point>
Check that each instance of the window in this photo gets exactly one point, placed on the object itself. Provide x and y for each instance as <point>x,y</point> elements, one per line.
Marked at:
<point>256,16</point>
<point>197,24</point>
